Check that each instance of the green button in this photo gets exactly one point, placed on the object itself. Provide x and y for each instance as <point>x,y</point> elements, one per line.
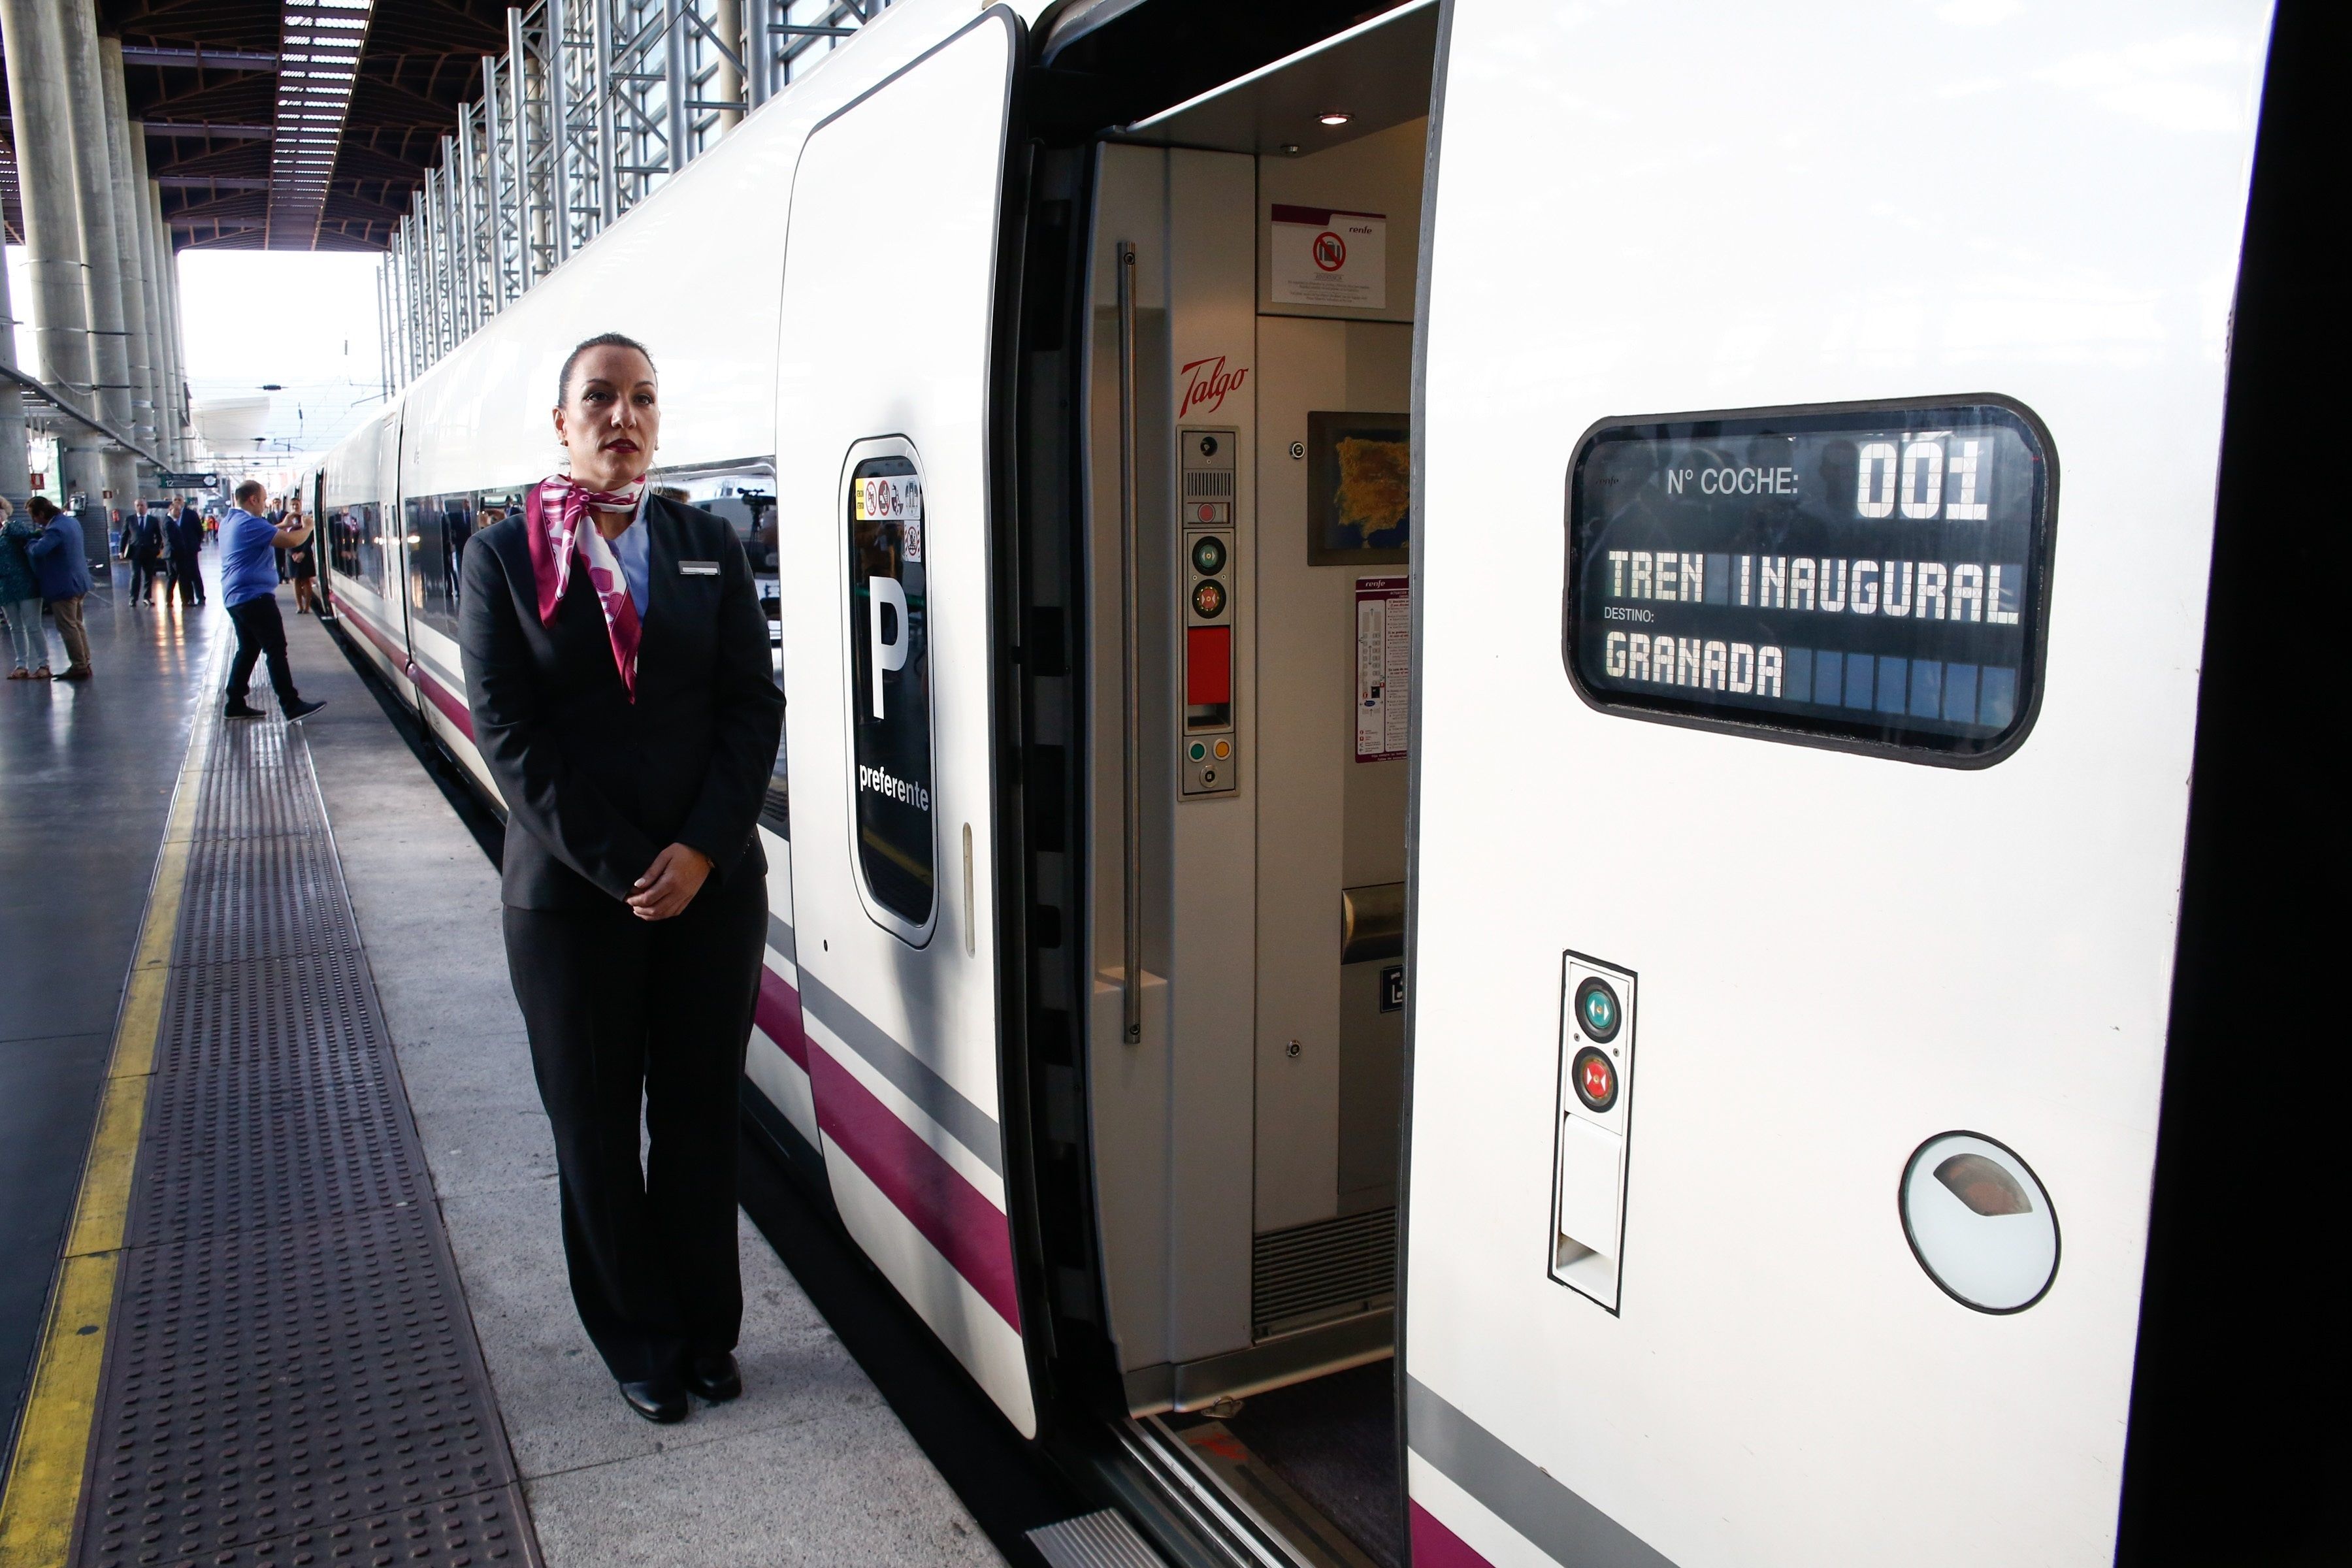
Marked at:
<point>1209,556</point>
<point>1199,750</point>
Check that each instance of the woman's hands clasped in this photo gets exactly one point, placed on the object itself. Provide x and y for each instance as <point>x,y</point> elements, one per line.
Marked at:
<point>670,883</point>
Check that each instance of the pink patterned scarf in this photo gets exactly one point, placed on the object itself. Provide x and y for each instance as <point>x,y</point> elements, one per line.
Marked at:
<point>561,531</point>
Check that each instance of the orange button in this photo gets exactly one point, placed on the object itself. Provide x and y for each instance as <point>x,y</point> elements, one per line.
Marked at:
<point>1225,750</point>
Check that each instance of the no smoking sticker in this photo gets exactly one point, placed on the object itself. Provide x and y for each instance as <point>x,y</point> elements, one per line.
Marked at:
<point>1329,258</point>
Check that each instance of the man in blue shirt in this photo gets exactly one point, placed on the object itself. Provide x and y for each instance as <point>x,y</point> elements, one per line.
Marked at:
<point>249,547</point>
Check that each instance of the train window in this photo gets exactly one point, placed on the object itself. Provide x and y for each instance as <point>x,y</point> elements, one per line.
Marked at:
<point>343,525</point>
<point>1872,576</point>
<point>437,529</point>
<point>890,688</point>
<point>746,497</point>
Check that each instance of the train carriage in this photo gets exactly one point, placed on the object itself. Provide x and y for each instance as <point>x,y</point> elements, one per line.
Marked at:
<point>1521,746</point>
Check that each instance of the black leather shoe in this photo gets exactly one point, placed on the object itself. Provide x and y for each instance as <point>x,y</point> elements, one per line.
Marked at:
<point>298,709</point>
<point>238,709</point>
<point>714,1377</point>
<point>656,1399</point>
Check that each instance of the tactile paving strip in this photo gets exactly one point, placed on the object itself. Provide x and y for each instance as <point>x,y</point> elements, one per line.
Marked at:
<point>291,1377</point>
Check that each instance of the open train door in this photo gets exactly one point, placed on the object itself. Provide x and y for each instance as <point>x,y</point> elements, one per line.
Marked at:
<point>884,491</point>
<point>1803,770</point>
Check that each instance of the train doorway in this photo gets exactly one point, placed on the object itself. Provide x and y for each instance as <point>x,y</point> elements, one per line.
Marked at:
<point>1252,271</point>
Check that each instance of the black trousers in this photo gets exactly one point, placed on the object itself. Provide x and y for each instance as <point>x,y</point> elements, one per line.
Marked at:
<point>188,576</point>
<point>260,634</point>
<point>145,572</point>
<point>625,1015</point>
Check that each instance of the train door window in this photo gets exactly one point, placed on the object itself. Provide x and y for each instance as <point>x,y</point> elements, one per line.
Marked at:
<point>890,689</point>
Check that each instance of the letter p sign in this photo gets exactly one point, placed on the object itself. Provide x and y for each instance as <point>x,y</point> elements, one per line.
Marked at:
<point>889,652</point>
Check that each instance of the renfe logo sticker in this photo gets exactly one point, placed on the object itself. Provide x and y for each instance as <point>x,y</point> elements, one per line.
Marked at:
<point>1325,257</point>
<point>1206,382</point>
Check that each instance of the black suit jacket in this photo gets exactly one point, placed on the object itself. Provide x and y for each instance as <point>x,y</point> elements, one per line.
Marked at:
<point>596,786</point>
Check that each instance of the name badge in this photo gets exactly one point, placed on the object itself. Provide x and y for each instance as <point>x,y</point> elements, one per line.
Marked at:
<point>698,568</point>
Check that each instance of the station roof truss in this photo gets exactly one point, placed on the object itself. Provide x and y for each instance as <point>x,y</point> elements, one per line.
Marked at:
<point>290,124</point>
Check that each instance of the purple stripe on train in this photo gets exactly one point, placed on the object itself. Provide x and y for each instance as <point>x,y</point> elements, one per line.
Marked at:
<point>952,1215</point>
<point>778,1014</point>
<point>1434,1546</point>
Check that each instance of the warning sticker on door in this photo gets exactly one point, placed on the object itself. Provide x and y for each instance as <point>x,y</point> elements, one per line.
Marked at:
<point>1324,256</point>
<point>1383,667</point>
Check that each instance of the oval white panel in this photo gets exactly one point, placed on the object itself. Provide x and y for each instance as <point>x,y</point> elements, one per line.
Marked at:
<point>1979,1222</point>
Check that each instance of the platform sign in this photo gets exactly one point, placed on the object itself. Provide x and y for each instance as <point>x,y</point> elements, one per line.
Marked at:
<point>172,481</point>
<point>1872,577</point>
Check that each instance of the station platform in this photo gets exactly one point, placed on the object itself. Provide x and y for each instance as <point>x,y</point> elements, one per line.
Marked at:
<point>283,1279</point>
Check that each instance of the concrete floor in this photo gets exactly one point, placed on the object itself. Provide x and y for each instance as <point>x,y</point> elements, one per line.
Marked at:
<point>85,777</point>
<point>810,1466</point>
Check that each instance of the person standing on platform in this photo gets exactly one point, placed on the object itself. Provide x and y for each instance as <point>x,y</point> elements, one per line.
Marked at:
<point>20,597</point>
<point>187,535</point>
<point>305,566</point>
<point>142,547</point>
<point>249,546</point>
<point>618,666</point>
<point>61,565</point>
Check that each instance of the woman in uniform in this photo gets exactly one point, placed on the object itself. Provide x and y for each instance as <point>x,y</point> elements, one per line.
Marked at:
<point>617,661</point>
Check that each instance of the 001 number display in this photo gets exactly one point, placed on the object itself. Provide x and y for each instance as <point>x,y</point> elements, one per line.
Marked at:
<point>1872,576</point>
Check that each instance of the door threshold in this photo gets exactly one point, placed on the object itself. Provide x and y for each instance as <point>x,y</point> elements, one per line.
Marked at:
<point>1257,1510</point>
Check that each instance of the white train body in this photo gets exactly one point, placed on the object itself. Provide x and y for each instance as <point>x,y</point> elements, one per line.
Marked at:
<point>1656,306</point>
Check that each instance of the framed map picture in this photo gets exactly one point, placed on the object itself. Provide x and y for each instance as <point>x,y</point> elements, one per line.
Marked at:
<point>1358,488</point>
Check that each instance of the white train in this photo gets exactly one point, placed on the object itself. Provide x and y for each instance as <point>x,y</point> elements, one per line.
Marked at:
<point>1690,541</point>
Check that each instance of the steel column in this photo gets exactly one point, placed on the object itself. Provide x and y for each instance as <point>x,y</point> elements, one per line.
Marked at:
<point>131,273</point>
<point>16,458</point>
<point>36,102</point>
<point>179,444</point>
<point>93,174</point>
<point>673,81</point>
<point>139,241</point>
<point>608,182</point>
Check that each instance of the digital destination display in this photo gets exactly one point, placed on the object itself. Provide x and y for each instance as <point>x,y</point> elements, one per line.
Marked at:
<point>1875,576</point>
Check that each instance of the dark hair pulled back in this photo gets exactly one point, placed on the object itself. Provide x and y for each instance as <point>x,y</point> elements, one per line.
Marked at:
<point>600,340</point>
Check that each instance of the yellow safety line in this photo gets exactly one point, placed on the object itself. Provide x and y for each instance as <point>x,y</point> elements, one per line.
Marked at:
<point>44,1485</point>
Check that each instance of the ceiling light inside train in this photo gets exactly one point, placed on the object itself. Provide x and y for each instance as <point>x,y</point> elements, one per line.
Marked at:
<point>1334,118</point>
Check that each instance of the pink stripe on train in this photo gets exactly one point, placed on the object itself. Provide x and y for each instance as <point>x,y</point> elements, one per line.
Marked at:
<point>952,1215</point>
<point>1434,1546</point>
<point>778,1014</point>
<point>451,706</point>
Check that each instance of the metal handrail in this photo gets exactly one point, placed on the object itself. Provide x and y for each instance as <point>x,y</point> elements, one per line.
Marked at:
<point>1132,740</point>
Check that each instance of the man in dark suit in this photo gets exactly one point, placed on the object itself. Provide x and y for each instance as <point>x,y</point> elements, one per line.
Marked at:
<point>187,538</point>
<point>632,729</point>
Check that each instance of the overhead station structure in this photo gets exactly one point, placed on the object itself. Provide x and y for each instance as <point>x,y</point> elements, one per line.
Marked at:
<point>592,104</point>
<point>475,145</point>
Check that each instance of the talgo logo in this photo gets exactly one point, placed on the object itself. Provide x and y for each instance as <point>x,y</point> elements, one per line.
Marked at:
<point>1206,383</point>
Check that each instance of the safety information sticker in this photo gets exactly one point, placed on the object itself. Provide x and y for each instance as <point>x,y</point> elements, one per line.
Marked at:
<point>1383,667</point>
<point>1323,257</point>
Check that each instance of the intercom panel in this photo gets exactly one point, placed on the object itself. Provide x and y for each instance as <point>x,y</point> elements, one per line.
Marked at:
<point>1208,745</point>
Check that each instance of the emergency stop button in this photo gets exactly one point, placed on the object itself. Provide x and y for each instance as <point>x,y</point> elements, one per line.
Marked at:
<point>1595,1078</point>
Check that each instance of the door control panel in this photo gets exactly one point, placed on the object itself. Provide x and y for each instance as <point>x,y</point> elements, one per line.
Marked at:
<point>1208,745</point>
<point>1591,1123</point>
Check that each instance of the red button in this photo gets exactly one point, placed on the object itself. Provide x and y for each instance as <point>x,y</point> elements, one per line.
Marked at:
<point>1595,1080</point>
